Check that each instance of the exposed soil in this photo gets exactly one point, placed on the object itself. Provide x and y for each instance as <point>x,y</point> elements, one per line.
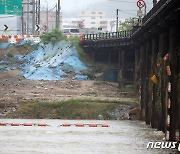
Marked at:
<point>15,89</point>
<point>23,50</point>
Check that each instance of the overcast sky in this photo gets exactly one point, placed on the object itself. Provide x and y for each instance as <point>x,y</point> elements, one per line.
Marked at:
<point>71,7</point>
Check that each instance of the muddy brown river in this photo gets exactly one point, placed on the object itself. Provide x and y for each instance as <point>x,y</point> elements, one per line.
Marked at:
<point>121,137</point>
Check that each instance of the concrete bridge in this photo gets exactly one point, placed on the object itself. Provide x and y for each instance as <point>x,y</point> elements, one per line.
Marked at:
<point>150,56</point>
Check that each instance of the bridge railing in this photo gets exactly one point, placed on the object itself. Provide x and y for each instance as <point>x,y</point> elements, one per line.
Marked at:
<point>152,12</point>
<point>105,36</point>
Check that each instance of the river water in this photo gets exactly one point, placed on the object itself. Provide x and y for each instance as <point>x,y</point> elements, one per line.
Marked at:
<point>121,137</point>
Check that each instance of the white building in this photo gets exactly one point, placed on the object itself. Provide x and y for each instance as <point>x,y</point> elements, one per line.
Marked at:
<point>70,23</point>
<point>93,21</point>
<point>97,20</point>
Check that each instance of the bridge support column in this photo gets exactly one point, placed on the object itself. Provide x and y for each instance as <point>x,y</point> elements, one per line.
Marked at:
<point>123,65</point>
<point>121,74</point>
<point>178,99</point>
<point>143,90</point>
<point>163,46</point>
<point>148,84</point>
<point>154,119</point>
<point>174,75</point>
<point>93,56</point>
<point>120,59</point>
<point>178,89</point>
<point>137,69</point>
<point>109,57</point>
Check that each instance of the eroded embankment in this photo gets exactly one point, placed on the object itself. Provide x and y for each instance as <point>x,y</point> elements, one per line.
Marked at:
<point>45,97</point>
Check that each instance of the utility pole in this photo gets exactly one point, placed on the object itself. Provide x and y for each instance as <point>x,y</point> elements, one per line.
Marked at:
<point>47,17</point>
<point>58,16</point>
<point>39,7</point>
<point>36,10</point>
<point>27,18</point>
<point>22,19</point>
<point>37,14</point>
<point>33,18</point>
<point>117,20</point>
<point>145,8</point>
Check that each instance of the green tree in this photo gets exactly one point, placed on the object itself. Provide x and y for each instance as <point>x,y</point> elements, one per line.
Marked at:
<point>128,24</point>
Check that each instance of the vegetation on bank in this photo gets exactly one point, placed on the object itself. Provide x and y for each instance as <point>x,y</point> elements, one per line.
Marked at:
<point>68,109</point>
<point>10,54</point>
<point>56,35</point>
<point>52,37</point>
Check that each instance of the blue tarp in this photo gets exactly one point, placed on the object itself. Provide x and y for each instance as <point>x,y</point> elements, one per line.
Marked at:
<point>53,62</point>
<point>23,42</point>
<point>49,62</point>
<point>4,45</point>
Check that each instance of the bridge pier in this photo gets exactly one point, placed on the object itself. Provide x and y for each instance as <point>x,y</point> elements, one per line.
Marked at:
<point>148,82</point>
<point>123,65</point>
<point>137,68</point>
<point>142,77</point>
<point>163,46</point>
<point>157,46</point>
<point>174,76</point>
<point>119,59</point>
<point>154,119</point>
<point>109,58</point>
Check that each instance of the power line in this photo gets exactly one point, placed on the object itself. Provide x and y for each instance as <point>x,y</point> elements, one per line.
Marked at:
<point>52,9</point>
<point>121,1</point>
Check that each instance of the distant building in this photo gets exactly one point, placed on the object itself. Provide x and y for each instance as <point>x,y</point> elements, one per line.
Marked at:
<point>97,20</point>
<point>70,23</point>
<point>90,22</point>
<point>93,19</point>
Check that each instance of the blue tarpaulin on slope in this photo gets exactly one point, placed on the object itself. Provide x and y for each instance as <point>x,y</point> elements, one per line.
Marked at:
<point>4,45</point>
<point>50,62</point>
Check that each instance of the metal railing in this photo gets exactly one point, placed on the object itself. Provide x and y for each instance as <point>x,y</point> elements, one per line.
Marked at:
<point>127,34</point>
<point>157,8</point>
<point>105,36</point>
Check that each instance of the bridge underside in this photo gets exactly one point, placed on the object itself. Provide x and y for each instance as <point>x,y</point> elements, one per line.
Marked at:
<point>152,53</point>
<point>116,58</point>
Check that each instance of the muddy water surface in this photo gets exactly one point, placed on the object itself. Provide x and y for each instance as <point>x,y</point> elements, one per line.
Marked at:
<point>122,137</point>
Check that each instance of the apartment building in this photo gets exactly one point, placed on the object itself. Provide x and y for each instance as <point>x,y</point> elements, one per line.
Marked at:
<point>96,20</point>
<point>90,22</point>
